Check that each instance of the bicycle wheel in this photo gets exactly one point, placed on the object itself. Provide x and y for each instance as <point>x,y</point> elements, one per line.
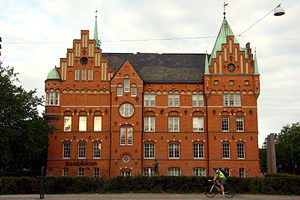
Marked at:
<point>211,192</point>
<point>229,192</point>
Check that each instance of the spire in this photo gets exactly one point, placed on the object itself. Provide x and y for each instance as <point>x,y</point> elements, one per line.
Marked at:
<point>98,42</point>
<point>206,70</point>
<point>255,65</point>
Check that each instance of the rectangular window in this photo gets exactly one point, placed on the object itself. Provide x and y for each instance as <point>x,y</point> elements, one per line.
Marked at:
<point>173,124</point>
<point>66,150</point>
<point>82,123</point>
<point>56,99</point>
<point>83,77</point>
<point>76,74</point>
<point>80,171</point>
<point>173,150</point>
<point>81,150</point>
<point>133,91</point>
<point>198,124</point>
<point>129,136</point>
<point>96,172</point>
<point>149,150</point>
<point>240,150</point>
<point>65,172</point>
<point>231,99</point>
<point>125,173</point>
<point>242,173</point>
<point>126,136</point>
<point>149,100</point>
<point>51,98</point>
<point>148,172</point>
<point>225,123</point>
<point>227,170</point>
<point>119,91</point>
<point>97,150</point>
<point>226,151</point>
<point>198,150</point>
<point>126,84</point>
<point>173,100</point>
<point>174,172</point>
<point>239,124</point>
<point>97,123</point>
<point>90,74</point>
<point>149,124</point>
<point>67,123</point>
<point>123,136</point>
<point>199,172</point>
<point>197,100</point>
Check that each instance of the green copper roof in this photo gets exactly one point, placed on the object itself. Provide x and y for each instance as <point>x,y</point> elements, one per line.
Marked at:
<point>53,74</point>
<point>98,42</point>
<point>225,31</point>
<point>206,70</point>
<point>255,66</point>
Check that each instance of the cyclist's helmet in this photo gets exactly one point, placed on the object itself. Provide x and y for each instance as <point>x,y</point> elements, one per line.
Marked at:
<point>215,168</point>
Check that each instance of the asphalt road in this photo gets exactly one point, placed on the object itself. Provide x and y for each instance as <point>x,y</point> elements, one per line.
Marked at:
<point>140,196</point>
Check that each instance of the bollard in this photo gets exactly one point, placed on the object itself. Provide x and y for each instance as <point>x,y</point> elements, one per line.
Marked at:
<point>42,186</point>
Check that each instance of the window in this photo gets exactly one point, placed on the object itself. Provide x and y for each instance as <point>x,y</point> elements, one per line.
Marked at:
<point>96,172</point>
<point>83,75</point>
<point>126,136</point>
<point>197,100</point>
<point>199,172</point>
<point>90,75</point>
<point>126,158</point>
<point>82,123</point>
<point>227,170</point>
<point>81,150</point>
<point>198,124</point>
<point>126,84</point>
<point>67,123</point>
<point>76,74</point>
<point>97,150</point>
<point>149,100</point>
<point>173,124</point>
<point>240,150</point>
<point>239,124</point>
<point>231,99</point>
<point>126,110</point>
<point>52,98</point>
<point>225,123</point>
<point>173,150</point>
<point>133,91</point>
<point>149,124</point>
<point>149,150</point>
<point>226,150</point>
<point>97,123</point>
<point>119,91</point>
<point>81,172</point>
<point>148,172</point>
<point>125,173</point>
<point>173,100</point>
<point>242,173</point>
<point>66,150</point>
<point>198,150</point>
<point>65,172</point>
<point>174,172</point>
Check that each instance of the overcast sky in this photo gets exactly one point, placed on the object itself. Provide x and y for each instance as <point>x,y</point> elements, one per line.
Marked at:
<point>36,34</point>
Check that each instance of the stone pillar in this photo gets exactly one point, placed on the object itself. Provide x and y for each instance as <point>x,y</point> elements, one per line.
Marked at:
<point>271,155</point>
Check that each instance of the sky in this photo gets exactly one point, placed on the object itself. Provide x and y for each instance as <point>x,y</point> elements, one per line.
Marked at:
<point>37,33</point>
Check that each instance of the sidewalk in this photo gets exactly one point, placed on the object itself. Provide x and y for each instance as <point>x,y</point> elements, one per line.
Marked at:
<point>140,196</point>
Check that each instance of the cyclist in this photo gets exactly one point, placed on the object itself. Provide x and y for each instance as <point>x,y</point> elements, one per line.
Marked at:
<point>221,179</point>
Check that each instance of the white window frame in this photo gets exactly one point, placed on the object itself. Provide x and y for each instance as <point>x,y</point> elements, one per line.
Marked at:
<point>197,100</point>
<point>174,171</point>
<point>149,124</point>
<point>198,150</point>
<point>199,172</point>
<point>148,172</point>
<point>126,85</point>
<point>133,91</point>
<point>96,172</point>
<point>231,99</point>
<point>149,100</point>
<point>240,150</point>
<point>173,100</point>
<point>226,150</point>
<point>76,74</point>
<point>125,173</point>
<point>66,150</point>
<point>239,123</point>
<point>81,150</point>
<point>65,172</point>
<point>242,173</point>
<point>90,76</point>
<point>97,150</point>
<point>126,110</point>
<point>119,90</point>
<point>82,123</point>
<point>149,150</point>
<point>67,123</point>
<point>81,171</point>
<point>126,135</point>
<point>225,123</point>
<point>198,123</point>
<point>83,75</point>
<point>173,122</point>
<point>97,123</point>
<point>174,150</point>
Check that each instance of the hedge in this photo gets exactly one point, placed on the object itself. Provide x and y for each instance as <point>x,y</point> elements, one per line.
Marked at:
<point>143,184</point>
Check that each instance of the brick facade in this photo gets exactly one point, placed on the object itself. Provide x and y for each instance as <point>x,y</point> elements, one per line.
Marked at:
<point>184,137</point>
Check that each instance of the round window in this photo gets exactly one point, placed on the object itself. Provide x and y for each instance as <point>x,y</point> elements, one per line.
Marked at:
<point>126,110</point>
<point>84,61</point>
<point>126,158</point>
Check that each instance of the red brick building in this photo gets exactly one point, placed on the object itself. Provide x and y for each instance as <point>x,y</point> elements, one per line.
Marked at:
<point>118,112</point>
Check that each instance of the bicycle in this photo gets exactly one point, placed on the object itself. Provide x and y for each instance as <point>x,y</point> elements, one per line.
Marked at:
<point>211,191</point>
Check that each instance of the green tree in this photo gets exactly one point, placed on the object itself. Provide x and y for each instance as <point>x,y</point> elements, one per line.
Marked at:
<point>23,132</point>
<point>287,145</point>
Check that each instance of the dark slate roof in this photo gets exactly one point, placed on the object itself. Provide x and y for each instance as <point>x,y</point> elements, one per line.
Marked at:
<point>162,68</point>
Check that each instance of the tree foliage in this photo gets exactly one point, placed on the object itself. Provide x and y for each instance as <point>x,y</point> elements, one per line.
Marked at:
<point>23,132</point>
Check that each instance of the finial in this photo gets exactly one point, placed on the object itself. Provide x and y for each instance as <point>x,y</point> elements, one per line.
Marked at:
<point>224,5</point>
<point>96,14</point>
<point>206,49</point>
